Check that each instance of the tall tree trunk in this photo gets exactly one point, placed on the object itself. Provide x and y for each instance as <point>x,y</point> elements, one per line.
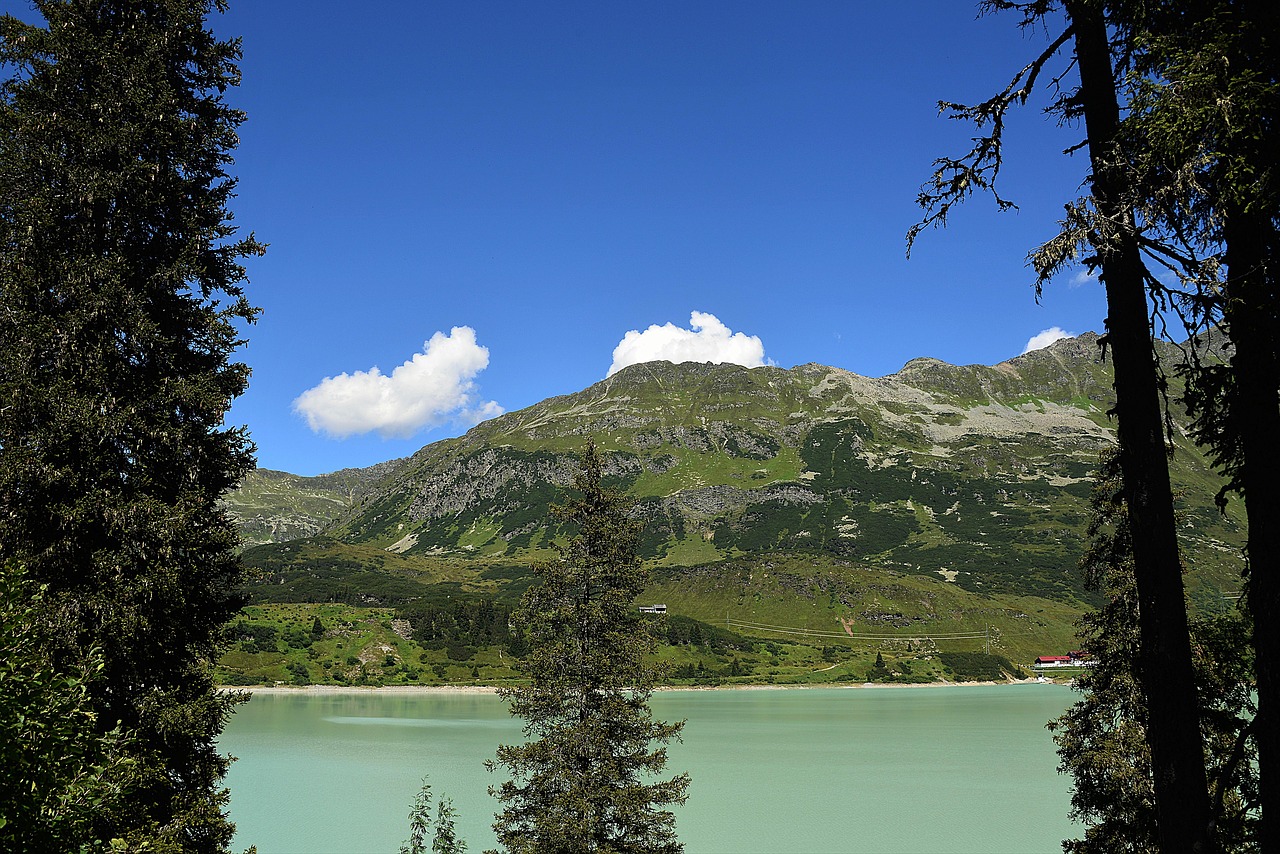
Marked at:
<point>1250,313</point>
<point>1256,411</point>
<point>1177,756</point>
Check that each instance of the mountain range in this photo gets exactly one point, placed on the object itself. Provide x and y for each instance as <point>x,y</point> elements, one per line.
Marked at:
<point>978,476</point>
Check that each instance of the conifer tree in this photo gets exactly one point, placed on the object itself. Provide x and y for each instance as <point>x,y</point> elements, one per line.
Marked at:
<point>120,295</point>
<point>1178,168</point>
<point>584,781</point>
<point>56,770</point>
<point>1201,135</point>
<point>1102,738</point>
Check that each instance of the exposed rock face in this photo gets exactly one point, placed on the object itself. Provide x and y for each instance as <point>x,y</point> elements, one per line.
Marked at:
<point>975,471</point>
<point>491,478</point>
<point>275,506</point>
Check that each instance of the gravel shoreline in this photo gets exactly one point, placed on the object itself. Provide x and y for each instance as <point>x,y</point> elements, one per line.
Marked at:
<point>487,689</point>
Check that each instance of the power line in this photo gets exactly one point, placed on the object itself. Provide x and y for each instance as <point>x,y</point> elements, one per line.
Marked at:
<point>984,635</point>
<point>792,630</point>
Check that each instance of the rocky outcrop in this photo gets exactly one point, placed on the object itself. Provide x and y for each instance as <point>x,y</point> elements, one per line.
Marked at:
<point>491,477</point>
<point>980,470</point>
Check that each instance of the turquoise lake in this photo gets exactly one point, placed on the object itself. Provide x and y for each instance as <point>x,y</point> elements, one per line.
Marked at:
<point>947,769</point>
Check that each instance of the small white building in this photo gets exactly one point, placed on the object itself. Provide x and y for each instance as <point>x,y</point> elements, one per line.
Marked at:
<point>653,609</point>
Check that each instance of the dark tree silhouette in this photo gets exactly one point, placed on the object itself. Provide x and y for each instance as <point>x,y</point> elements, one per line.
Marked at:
<point>120,295</point>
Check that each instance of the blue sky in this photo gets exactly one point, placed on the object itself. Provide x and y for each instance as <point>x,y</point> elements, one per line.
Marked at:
<point>536,180</point>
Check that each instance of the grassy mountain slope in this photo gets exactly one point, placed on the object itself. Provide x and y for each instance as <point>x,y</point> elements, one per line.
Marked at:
<point>976,474</point>
<point>274,506</point>
<point>797,521</point>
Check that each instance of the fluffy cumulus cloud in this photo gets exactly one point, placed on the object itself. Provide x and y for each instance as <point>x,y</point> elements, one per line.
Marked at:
<point>433,387</point>
<point>1045,338</point>
<point>706,340</point>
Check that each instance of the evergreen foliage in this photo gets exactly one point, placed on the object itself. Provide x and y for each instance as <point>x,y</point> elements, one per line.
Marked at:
<point>979,666</point>
<point>56,771</point>
<point>686,631</point>
<point>120,295</point>
<point>584,780</point>
<point>1201,139</point>
<point>462,622</point>
<point>1179,104</point>
<point>1102,741</point>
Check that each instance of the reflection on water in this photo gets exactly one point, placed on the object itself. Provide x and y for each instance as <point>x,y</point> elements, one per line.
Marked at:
<point>839,770</point>
<point>367,720</point>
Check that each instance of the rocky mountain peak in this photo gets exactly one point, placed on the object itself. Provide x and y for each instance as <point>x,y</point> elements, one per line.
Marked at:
<point>981,471</point>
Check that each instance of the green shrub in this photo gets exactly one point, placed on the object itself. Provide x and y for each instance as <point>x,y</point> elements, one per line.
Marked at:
<point>978,666</point>
<point>301,675</point>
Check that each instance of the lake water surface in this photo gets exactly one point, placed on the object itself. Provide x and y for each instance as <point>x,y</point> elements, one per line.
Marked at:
<point>945,769</point>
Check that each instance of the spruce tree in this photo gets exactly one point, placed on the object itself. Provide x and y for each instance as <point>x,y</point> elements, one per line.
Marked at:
<point>584,781</point>
<point>1202,132</point>
<point>120,295</point>
<point>1102,738</point>
<point>56,771</point>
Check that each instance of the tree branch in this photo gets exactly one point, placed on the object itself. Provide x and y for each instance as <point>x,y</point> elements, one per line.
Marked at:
<point>955,179</point>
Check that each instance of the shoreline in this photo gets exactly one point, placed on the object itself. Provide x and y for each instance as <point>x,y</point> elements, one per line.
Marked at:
<point>333,690</point>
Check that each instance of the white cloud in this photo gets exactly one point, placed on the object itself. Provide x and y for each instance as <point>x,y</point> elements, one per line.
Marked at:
<point>1083,277</point>
<point>433,387</point>
<point>706,340</point>
<point>1045,338</point>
